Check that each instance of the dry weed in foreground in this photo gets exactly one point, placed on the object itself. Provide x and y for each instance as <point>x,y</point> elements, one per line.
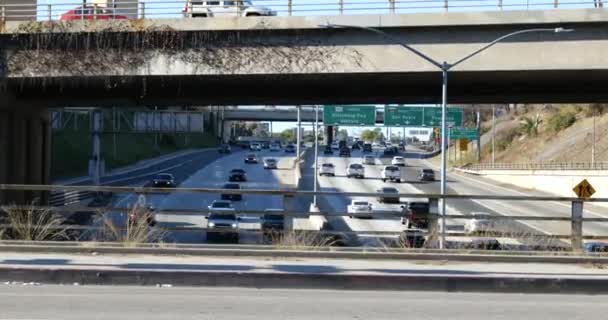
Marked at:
<point>303,240</point>
<point>133,232</point>
<point>27,222</point>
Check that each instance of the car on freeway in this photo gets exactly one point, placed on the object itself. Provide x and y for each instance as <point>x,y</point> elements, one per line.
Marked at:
<point>355,146</point>
<point>224,8</point>
<point>222,206</point>
<point>367,147</point>
<point>255,147</point>
<point>275,147</point>
<point>398,161</point>
<point>327,169</point>
<point>426,175</point>
<point>480,223</point>
<point>344,152</point>
<point>251,158</point>
<point>388,197</point>
<point>232,196</point>
<point>596,246</point>
<point>355,170</point>
<point>389,152</point>
<point>222,225</point>
<point>290,148</point>
<point>91,12</point>
<point>143,214</point>
<point>416,215</point>
<point>391,173</point>
<point>265,145</point>
<point>412,238</point>
<point>237,175</point>
<point>369,160</point>
<point>224,148</point>
<point>272,221</point>
<point>484,244</point>
<point>335,146</point>
<point>360,209</point>
<point>163,180</point>
<point>328,150</point>
<point>270,163</point>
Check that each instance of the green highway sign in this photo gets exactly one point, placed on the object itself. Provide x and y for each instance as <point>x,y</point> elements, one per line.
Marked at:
<point>349,115</point>
<point>432,117</point>
<point>403,116</point>
<point>463,133</point>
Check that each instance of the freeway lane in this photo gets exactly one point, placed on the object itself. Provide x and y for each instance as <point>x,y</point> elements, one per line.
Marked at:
<point>151,303</point>
<point>215,175</point>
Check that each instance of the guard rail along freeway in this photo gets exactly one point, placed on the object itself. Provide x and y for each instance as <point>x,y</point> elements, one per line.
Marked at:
<point>576,220</point>
<point>156,9</point>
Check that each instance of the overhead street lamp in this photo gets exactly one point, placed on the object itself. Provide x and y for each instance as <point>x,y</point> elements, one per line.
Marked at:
<point>444,67</point>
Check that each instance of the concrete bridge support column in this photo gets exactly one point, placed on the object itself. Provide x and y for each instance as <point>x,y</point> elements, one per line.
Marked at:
<point>25,157</point>
<point>227,131</point>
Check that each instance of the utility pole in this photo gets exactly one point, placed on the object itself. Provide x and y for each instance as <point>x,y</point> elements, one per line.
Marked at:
<point>478,136</point>
<point>298,134</point>
<point>493,132</point>
<point>593,143</point>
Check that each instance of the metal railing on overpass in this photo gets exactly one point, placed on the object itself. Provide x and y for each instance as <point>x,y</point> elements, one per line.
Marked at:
<point>69,10</point>
<point>539,166</point>
<point>431,232</point>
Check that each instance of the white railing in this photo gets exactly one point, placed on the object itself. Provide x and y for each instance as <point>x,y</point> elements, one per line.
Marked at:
<point>176,8</point>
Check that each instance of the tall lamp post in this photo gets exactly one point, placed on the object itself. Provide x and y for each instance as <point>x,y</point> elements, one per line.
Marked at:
<point>444,67</point>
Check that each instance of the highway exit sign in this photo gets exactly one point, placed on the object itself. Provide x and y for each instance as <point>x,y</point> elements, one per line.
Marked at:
<point>403,116</point>
<point>349,115</point>
<point>432,117</point>
<point>463,133</point>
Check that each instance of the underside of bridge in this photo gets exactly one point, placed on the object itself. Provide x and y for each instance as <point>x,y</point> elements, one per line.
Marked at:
<point>554,86</point>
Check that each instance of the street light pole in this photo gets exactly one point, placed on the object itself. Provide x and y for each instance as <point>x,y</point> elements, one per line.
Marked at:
<point>314,198</point>
<point>493,132</point>
<point>593,143</point>
<point>444,67</point>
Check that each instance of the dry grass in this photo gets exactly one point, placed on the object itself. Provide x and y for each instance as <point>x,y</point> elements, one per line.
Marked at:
<point>304,240</point>
<point>132,233</point>
<point>29,223</point>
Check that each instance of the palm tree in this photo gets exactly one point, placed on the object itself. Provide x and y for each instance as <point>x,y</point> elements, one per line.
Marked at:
<point>530,125</point>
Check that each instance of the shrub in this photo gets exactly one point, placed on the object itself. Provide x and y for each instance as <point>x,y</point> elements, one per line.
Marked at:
<point>530,125</point>
<point>561,121</point>
<point>32,224</point>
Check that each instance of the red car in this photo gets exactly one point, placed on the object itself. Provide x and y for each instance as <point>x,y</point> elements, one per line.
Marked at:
<point>91,13</point>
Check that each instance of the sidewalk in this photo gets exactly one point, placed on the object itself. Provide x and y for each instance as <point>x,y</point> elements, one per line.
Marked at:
<point>303,272</point>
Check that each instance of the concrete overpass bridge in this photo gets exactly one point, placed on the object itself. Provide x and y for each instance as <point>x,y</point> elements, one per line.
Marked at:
<point>284,60</point>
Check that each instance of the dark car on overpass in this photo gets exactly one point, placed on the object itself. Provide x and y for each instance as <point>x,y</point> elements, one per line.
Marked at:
<point>251,158</point>
<point>273,221</point>
<point>344,152</point>
<point>224,148</point>
<point>388,197</point>
<point>163,180</point>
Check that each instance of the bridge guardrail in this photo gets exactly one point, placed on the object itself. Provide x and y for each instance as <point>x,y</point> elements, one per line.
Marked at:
<point>175,9</point>
<point>576,219</point>
<point>539,166</point>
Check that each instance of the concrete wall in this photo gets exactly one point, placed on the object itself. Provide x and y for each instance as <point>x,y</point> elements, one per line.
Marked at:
<point>236,60</point>
<point>559,183</point>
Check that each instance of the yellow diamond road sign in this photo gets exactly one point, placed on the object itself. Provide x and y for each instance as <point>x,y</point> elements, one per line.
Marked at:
<point>584,189</point>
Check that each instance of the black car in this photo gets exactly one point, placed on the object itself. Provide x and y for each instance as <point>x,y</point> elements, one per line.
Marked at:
<point>328,150</point>
<point>367,147</point>
<point>416,215</point>
<point>237,175</point>
<point>390,151</point>
<point>344,152</point>
<point>232,196</point>
<point>356,146</point>
<point>163,180</point>
<point>224,148</point>
<point>388,198</point>
<point>245,145</point>
<point>251,158</point>
<point>265,145</point>
<point>426,175</point>
<point>290,148</point>
<point>272,221</point>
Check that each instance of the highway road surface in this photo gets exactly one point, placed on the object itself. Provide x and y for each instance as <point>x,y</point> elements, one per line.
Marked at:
<point>70,302</point>
<point>215,175</point>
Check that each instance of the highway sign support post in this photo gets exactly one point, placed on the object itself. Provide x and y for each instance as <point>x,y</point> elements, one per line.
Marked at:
<point>314,198</point>
<point>298,135</point>
<point>577,226</point>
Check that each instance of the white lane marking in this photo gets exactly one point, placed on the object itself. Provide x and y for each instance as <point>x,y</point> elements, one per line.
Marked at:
<point>508,189</point>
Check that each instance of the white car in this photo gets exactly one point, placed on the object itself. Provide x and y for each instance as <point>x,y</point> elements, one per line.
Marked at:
<point>398,161</point>
<point>224,8</point>
<point>222,206</point>
<point>335,146</point>
<point>369,160</point>
<point>391,173</point>
<point>355,170</point>
<point>255,147</point>
<point>479,223</point>
<point>275,147</point>
<point>270,163</point>
<point>360,208</point>
<point>327,169</point>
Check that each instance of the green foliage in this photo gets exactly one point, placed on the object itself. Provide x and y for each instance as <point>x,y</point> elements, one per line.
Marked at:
<point>531,125</point>
<point>561,120</point>
<point>596,109</point>
<point>287,135</point>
